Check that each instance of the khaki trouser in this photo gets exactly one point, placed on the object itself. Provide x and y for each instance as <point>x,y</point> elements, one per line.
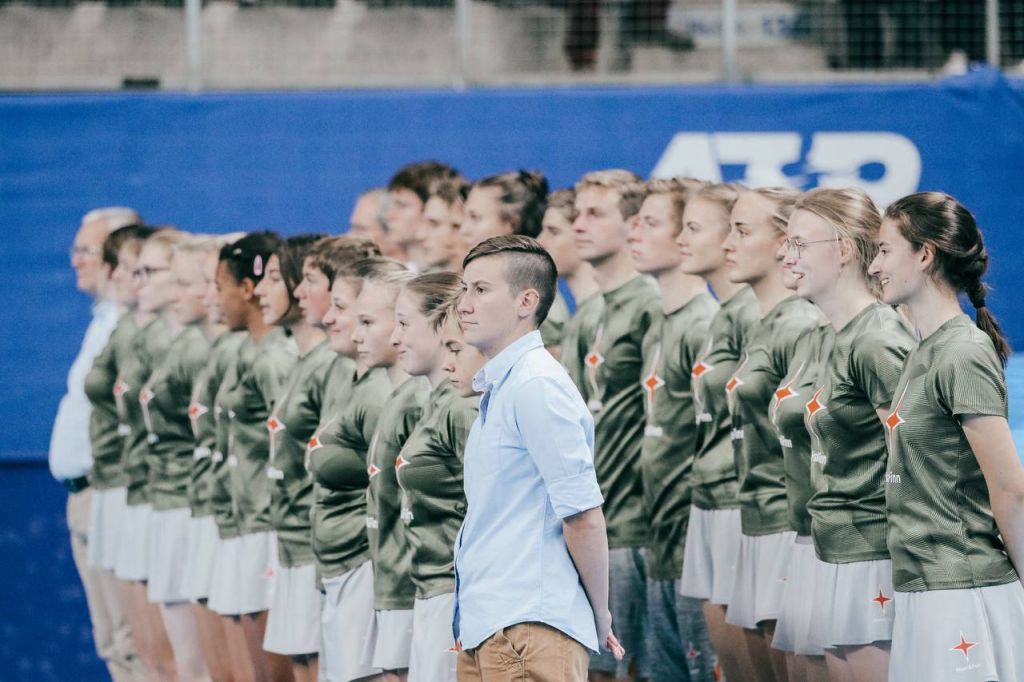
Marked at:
<point>109,626</point>
<point>531,652</point>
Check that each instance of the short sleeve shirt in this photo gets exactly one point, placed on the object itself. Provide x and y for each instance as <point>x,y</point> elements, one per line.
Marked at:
<point>165,400</point>
<point>714,484</point>
<point>787,415</point>
<point>429,471</point>
<point>338,463</point>
<point>249,403</point>
<point>942,534</point>
<point>670,436</point>
<point>290,426</point>
<point>614,364</point>
<point>389,547</point>
<point>759,464</point>
<point>848,439</point>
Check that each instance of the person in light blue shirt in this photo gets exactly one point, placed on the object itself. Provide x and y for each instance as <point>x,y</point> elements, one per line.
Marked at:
<point>531,559</point>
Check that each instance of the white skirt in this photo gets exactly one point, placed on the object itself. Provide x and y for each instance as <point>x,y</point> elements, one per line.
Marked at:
<point>224,592</point>
<point>970,635</point>
<point>390,641</point>
<point>760,578</point>
<point>257,565</point>
<point>793,630</point>
<point>133,547</point>
<point>712,549</point>
<point>168,553</point>
<point>106,519</point>
<point>347,619</point>
<point>433,643</point>
<point>201,558</point>
<point>853,603</point>
<point>293,624</point>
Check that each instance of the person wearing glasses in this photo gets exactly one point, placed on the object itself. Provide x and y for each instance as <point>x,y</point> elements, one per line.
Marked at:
<point>70,453</point>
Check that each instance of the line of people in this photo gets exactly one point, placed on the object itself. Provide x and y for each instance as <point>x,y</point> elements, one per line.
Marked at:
<point>793,439</point>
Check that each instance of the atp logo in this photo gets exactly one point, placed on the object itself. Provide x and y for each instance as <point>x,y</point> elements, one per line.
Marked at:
<point>885,165</point>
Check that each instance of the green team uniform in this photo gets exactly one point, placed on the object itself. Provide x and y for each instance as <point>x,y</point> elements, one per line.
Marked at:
<point>389,547</point>
<point>337,459</point>
<point>429,471</point>
<point>294,419</point>
<point>848,452</point>
<point>553,328</point>
<point>202,414</point>
<point>165,401</point>
<point>220,475</point>
<point>942,534</point>
<point>248,403</point>
<point>766,358</point>
<point>787,414</point>
<point>148,347</point>
<point>579,330</point>
<point>713,481</point>
<point>614,365</point>
<point>670,350</point>
<point>105,436</point>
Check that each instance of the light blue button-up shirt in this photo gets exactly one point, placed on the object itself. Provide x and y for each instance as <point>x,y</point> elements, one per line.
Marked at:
<point>529,463</point>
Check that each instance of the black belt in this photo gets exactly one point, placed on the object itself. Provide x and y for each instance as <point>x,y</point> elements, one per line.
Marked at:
<point>76,485</point>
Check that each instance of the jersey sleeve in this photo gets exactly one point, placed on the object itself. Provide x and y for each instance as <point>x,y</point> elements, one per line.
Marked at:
<point>969,380</point>
<point>877,362</point>
<point>460,420</point>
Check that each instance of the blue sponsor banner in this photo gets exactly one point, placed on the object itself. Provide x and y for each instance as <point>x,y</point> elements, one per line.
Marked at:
<point>295,162</point>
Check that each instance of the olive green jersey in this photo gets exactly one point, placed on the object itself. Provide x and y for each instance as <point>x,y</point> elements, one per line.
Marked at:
<point>765,361</point>
<point>552,330</point>
<point>148,347</point>
<point>848,452</point>
<point>105,438</point>
<point>220,474</point>
<point>389,547</point>
<point>340,376</point>
<point>614,366</point>
<point>433,500</point>
<point>248,404</point>
<point>202,414</point>
<point>713,481</point>
<point>337,460</point>
<point>787,415</point>
<point>579,330</point>
<point>295,417</point>
<point>670,437</point>
<point>942,534</point>
<point>165,400</point>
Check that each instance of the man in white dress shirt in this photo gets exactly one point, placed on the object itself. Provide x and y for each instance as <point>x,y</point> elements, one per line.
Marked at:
<point>70,452</point>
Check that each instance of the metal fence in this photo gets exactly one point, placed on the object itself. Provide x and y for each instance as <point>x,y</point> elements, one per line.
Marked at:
<point>189,44</point>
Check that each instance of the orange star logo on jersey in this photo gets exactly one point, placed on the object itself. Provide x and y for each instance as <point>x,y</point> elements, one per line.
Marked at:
<point>881,599</point>
<point>314,443</point>
<point>700,369</point>
<point>652,382</point>
<point>733,383</point>
<point>693,652</point>
<point>274,424</point>
<point>400,462</point>
<point>784,393</point>
<point>964,646</point>
<point>894,419</point>
<point>373,470</point>
<point>120,387</point>
<point>815,405</point>
<point>145,396</point>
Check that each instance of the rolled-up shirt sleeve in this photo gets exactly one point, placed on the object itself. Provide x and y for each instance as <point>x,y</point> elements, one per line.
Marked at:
<point>557,431</point>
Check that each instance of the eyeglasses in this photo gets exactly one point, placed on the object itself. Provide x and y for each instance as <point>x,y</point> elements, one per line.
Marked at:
<point>84,251</point>
<point>799,246</point>
<point>144,273</point>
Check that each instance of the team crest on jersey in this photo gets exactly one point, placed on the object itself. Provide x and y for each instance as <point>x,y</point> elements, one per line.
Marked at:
<point>784,393</point>
<point>893,421</point>
<point>372,470</point>
<point>881,599</point>
<point>592,361</point>
<point>400,462</point>
<point>146,396</point>
<point>195,411</point>
<point>120,387</point>
<point>274,424</point>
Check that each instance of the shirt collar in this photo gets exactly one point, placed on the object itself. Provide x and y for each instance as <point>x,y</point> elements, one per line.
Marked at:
<point>501,364</point>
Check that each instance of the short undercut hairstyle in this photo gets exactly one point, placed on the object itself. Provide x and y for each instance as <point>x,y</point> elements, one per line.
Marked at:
<point>527,266</point>
<point>330,254</point>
